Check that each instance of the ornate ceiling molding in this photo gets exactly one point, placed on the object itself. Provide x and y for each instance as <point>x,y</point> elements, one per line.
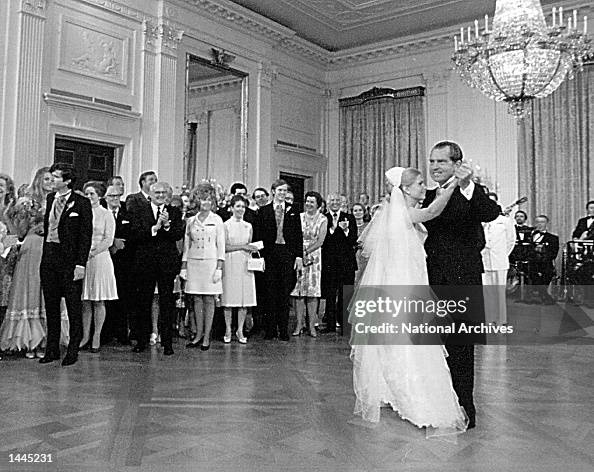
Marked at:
<point>209,88</point>
<point>285,38</point>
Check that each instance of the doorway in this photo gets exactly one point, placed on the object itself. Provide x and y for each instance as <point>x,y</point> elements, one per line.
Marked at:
<point>91,160</point>
<point>297,186</point>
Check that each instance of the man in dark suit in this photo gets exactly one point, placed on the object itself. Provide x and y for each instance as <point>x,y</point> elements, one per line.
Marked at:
<point>338,260</point>
<point>238,188</point>
<point>118,182</point>
<point>584,228</point>
<point>155,230</point>
<point>523,246</point>
<point>279,228</point>
<point>542,267</point>
<point>118,311</point>
<point>135,202</point>
<point>68,230</point>
<point>454,243</point>
<point>142,198</point>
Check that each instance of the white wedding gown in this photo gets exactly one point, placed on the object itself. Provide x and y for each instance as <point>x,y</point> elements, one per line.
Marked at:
<point>413,379</point>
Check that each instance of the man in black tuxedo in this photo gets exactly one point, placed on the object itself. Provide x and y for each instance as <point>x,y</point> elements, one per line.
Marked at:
<point>545,250</point>
<point>523,246</point>
<point>68,230</point>
<point>338,260</point>
<point>279,228</point>
<point>118,311</point>
<point>454,243</point>
<point>584,228</point>
<point>142,198</point>
<point>155,230</point>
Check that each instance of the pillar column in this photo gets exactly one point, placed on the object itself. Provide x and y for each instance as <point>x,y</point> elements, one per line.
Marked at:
<point>24,126</point>
<point>158,128</point>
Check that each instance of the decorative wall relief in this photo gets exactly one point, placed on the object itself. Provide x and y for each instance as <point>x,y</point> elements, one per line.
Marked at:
<point>101,54</point>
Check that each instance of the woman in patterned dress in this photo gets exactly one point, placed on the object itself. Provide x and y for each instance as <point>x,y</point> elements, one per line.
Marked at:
<point>24,327</point>
<point>308,287</point>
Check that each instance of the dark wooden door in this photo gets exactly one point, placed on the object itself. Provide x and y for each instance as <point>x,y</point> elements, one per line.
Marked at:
<point>297,186</point>
<point>91,161</point>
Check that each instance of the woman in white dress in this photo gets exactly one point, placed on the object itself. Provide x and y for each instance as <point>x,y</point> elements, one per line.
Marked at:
<point>239,284</point>
<point>413,379</point>
<point>99,283</point>
<point>202,261</point>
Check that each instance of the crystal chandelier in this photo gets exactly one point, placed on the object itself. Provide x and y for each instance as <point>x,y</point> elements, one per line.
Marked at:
<point>520,57</point>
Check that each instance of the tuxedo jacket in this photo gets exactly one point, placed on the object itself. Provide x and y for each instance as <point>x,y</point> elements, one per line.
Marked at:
<point>545,250</point>
<point>134,201</point>
<point>123,228</point>
<point>338,250</point>
<point>157,252</point>
<point>75,228</point>
<point>580,228</point>
<point>455,237</point>
<point>265,230</point>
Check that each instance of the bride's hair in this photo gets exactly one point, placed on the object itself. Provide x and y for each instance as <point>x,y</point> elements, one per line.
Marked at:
<point>408,177</point>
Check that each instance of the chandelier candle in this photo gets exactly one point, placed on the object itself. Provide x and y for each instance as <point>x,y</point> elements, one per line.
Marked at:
<point>520,57</point>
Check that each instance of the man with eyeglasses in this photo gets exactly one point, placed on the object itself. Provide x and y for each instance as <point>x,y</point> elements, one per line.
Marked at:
<point>118,311</point>
<point>155,230</point>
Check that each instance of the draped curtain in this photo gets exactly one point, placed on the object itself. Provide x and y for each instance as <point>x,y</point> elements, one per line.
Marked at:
<point>190,168</point>
<point>556,153</point>
<point>379,129</point>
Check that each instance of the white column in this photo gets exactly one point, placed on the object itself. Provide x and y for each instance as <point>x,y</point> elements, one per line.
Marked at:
<point>267,170</point>
<point>147,156</point>
<point>158,130</point>
<point>330,146</point>
<point>24,126</point>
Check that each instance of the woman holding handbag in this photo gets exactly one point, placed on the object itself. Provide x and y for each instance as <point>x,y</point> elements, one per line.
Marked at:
<point>239,285</point>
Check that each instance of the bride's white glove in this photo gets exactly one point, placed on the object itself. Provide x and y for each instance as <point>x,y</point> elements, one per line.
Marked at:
<point>217,276</point>
<point>183,274</point>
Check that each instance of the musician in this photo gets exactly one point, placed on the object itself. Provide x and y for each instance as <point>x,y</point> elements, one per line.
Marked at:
<point>545,250</point>
<point>585,229</point>
<point>499,242</point>
<point>521,249</point>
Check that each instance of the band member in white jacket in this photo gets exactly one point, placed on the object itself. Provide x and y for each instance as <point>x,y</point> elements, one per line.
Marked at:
<point>500,238</point>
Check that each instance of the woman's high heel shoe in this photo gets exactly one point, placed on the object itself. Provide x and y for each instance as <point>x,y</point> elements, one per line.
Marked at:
<point>241,338</point>
<point>227,338</point>
<point>194,344</point>
<point>298,331</point>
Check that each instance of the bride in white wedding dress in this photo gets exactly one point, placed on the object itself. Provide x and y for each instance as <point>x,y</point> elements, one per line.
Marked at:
<point>414,380</point>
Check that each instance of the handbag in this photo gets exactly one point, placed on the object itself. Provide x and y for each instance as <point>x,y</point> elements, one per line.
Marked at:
<point>256,264</point>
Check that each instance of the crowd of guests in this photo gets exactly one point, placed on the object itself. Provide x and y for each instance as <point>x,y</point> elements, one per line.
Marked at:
<point>81,268</point>
<point>84,267</point>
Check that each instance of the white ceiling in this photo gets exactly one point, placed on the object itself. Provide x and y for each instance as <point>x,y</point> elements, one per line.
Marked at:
<point>341,24</point>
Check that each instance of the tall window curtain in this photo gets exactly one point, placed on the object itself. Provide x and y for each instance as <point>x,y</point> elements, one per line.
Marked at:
<point>556,152</point>
<point>379,129</point>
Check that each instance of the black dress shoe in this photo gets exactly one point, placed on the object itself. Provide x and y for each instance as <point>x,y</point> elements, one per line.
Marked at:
<point>139,348</point>
<point>204,348</point>
<point>471,424</point>
<point>168,351</point>
<point>328,330</point>
<point>48,358</point>
<point>69,360</point>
